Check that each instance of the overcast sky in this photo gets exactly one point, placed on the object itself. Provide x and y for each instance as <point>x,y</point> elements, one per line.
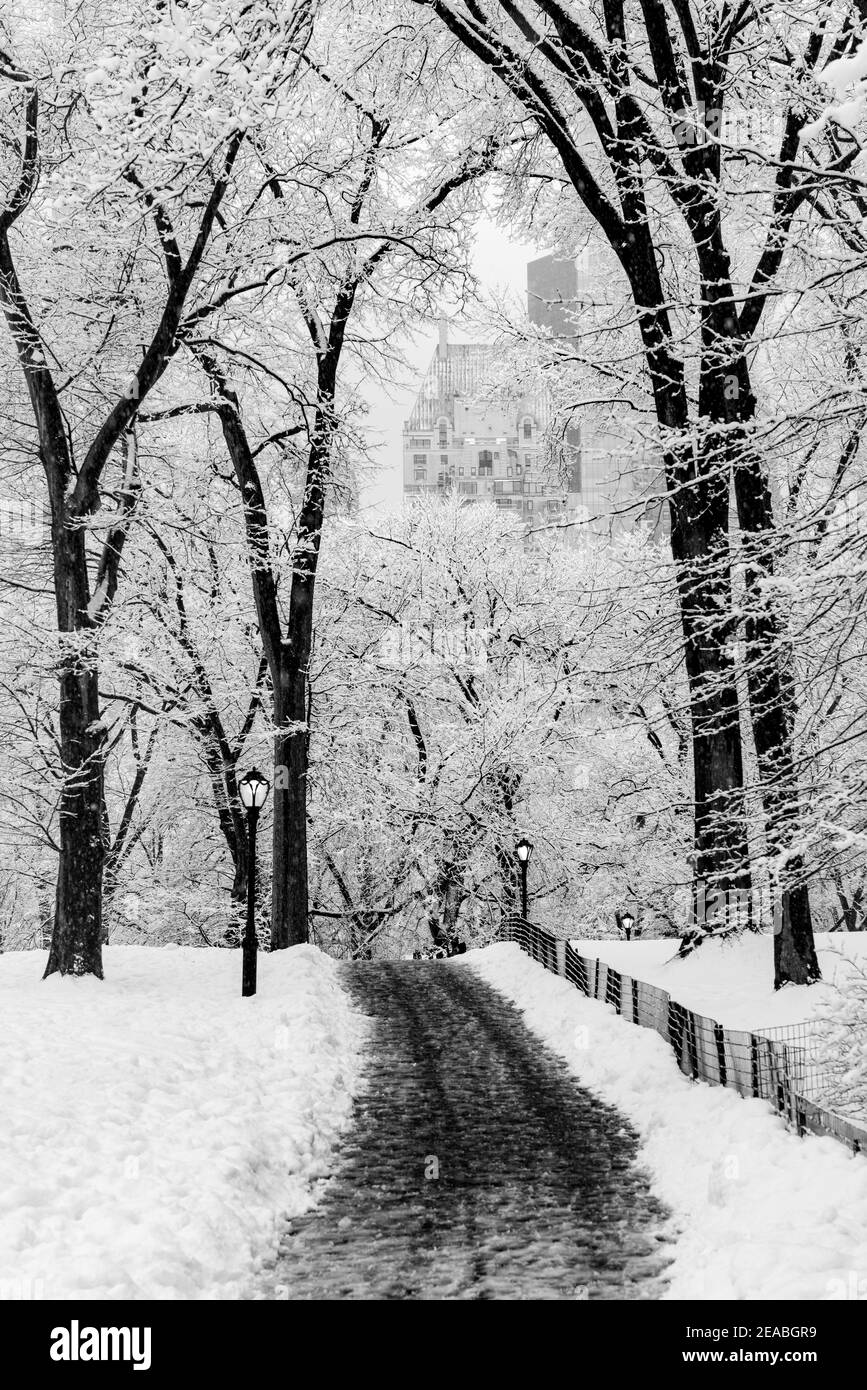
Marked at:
<point>501,265</point>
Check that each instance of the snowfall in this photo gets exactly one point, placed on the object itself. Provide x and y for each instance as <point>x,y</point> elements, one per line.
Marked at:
<point>158,1129</point>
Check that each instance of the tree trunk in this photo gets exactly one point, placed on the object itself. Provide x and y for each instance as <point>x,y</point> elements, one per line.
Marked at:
<point>449,892</point>
<point>699,508</point>
<point>289,925</point>
<point>510,878</point>
<point>772,705</point>
<point>76,942</point>
<point>720,849</point>
<point>238,897</point>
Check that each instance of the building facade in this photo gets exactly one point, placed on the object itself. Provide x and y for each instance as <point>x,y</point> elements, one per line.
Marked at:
<point>615,483</point>
<point>456,442</point>
<point>453,443</point>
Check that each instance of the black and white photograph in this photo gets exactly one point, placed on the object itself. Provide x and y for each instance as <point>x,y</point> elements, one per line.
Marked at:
<point>433,669</point>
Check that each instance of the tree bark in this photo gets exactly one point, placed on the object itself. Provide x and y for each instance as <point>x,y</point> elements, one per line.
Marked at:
<point>289,901</point>
<point>76,943</point>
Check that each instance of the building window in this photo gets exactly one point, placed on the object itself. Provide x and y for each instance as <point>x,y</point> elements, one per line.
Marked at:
<point>460,472</point>
<point>443,428</point>
<point>508,472</point>
<point>528,461</point>
<point>528,428</point>
<point>419,460</point>
<point>419,443</point>
<point>486,463</point>
<point>529,506</point>
<point>444,458</point>
<point>518,469</point>
<point>473,472</point>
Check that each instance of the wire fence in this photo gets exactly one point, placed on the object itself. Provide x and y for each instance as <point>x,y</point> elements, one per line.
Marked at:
<point>778,1065</point>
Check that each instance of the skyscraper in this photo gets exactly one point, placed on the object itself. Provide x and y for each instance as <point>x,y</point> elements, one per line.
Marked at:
<point>612,482</point>
<point>552,294</point>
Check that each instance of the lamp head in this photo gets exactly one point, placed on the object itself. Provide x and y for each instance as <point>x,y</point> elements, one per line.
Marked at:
<point>253,790</point>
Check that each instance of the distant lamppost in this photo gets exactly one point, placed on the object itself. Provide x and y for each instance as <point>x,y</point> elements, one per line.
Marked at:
<point>523,850</point>
<point>627,922</point>
<point>253,790</point>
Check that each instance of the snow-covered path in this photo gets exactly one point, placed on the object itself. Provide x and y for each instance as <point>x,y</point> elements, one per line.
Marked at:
<point>477,1168</point>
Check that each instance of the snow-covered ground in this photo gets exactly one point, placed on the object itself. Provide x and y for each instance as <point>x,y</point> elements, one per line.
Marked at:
<point>156,1127</point>
<point>731,981</point>
<point>759,1213</point>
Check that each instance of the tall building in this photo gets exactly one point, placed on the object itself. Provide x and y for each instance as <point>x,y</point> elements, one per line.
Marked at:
<point>457,442</point>
<point>552,294</point>
<point>613,481</point>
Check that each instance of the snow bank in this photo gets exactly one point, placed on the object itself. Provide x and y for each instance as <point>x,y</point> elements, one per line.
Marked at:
<point>157,1127</point>
<point>731,981</point>
<point>760,1214</point>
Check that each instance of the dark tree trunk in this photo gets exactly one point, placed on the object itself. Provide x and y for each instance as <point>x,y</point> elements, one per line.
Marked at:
<point>289,905</point>
<point>727,407</point>
<point>238,897</point>
<point>239,880</point>
<point>76,943</point>
<point>449,891</point>
<point>727,398</point>
<point>772,705</point>
<point>289,902</point>
<point>721,855</point>
<point>510,877</point>
<point>699,509</point>
<point>851,908</point>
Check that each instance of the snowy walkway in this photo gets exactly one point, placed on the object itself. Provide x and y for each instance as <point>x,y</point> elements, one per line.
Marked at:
<point>477,1168</point>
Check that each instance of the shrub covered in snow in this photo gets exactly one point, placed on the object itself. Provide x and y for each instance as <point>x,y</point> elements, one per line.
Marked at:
<point>842,1038</point>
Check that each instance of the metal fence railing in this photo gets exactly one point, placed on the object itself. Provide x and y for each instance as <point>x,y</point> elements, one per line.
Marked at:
<point>778,1065</point>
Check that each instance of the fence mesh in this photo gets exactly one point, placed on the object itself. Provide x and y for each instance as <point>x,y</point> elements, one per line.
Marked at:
<point>778,1065</point>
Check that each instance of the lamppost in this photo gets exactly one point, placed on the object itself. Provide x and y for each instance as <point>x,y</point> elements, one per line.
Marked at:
<point>253,790</point>
<point>523,850</point>
<point>627,922</point>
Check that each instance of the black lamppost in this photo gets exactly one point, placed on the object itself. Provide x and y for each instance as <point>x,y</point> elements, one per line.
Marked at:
<point>253,790</point>
<point>627,922</point>
<point>523,850</point>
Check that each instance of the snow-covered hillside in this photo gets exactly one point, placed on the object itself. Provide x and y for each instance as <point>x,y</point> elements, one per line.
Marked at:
<point>757,1212</point>
<point>156,1126</point>
<point>731,981</point>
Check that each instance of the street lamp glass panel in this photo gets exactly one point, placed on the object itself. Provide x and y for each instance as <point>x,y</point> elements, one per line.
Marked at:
<point>628,921</point>
<point>253,790</point>
<point>523,849</point>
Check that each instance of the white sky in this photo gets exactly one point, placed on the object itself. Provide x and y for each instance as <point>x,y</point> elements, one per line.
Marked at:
<point>501,266</point>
